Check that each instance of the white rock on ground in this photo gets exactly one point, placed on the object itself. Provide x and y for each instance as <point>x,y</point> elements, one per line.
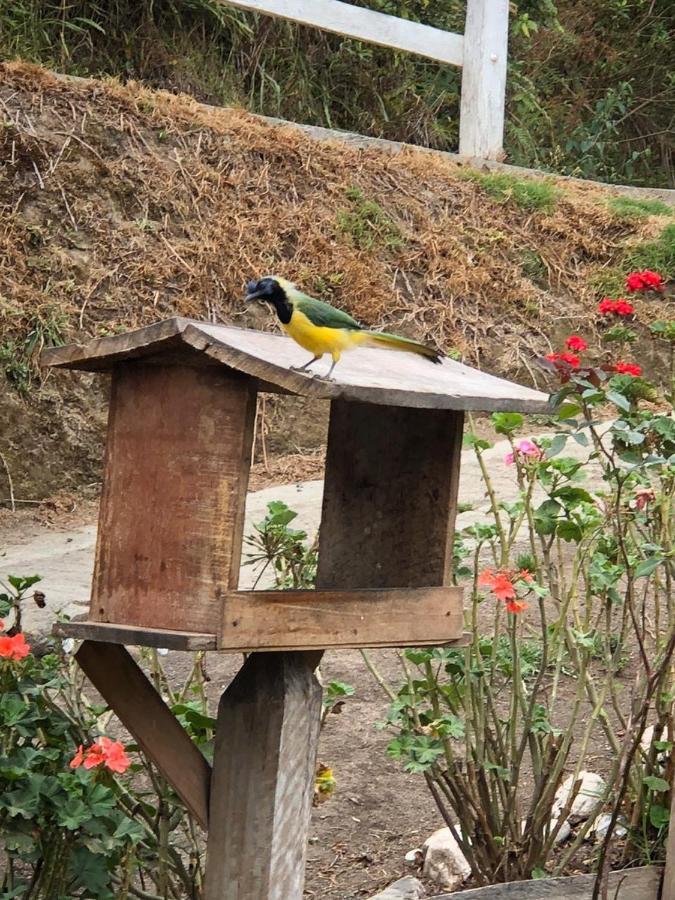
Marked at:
<point>407,888</point>
<point>444,861</point>
<point>600,826</point>
<point>590,790</point>
<point>564,832</point>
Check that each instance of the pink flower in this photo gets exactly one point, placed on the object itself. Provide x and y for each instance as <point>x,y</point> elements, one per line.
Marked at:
<point>78,759</point>
<point>525,450</point>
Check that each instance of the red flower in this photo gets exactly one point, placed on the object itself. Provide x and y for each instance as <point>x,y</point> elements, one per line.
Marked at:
<point>621,307</point>
<point>624,368</point>
<point>13,647</point>
<point>574,342</point>
<point>116,758</point>
<point>105,752</point>
<point>568,358</point>
<point>624,308</point>
<point>644,281</point>
<point>516,605</point>
<point>78,759</point>
<point>525,575</point>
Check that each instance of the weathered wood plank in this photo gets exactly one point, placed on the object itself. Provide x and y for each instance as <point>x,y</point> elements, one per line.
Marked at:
<point>179,446</point>
<point>481,121</point>
<point>669,874</point>
<point>368,374</point>
<point>272,620</point>
<point>120,681</point>
<point>629,884</point>
<point>390,497</point>
<point>364,25</point>
<point>263,773</point>
<point>131,636</point>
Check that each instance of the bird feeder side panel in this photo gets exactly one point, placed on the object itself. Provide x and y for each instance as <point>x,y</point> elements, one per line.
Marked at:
<point>390,497</point>
<point>176,473</point>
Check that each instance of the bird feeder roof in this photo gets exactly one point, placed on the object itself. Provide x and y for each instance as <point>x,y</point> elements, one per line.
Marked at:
<point>370,375</point>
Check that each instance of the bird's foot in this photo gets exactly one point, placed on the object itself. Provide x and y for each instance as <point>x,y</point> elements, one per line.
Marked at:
<point>303,369</point>
<point>319,377</point>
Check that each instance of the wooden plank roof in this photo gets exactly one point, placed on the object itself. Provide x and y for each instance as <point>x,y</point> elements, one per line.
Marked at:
<point>367,374</point>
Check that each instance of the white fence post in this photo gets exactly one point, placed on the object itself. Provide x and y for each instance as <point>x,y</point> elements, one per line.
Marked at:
<point>481,121</point>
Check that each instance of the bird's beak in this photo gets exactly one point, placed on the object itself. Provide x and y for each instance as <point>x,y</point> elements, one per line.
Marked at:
<point>252,292</point>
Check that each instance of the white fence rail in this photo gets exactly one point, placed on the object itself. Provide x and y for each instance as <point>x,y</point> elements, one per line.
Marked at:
<point>481,51</point>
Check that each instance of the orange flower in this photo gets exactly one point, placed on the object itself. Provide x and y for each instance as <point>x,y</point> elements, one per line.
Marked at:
<point>78,759</point>
<point>525,575</point>
<point>503,588</point>
<point>116,758</point>
<point>516,605</point>
<point>107,753</point>
<point>14,647</point>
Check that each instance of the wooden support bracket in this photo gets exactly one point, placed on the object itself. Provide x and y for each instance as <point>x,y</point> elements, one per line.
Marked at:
<point>116,676</point>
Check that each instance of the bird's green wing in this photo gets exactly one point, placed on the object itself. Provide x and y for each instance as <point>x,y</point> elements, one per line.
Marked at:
<point>323,314</point>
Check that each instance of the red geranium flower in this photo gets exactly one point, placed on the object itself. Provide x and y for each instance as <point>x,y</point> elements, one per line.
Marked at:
<point>624,368</point>
<point>644,281</point>
<point>516,605</point>
<point>624,308</point>
<point>574,342</point>
<point>13,647</point>
<point>568,358</point>
<point>620,307</point>
<point>105,752</point>
<point>78,759</point>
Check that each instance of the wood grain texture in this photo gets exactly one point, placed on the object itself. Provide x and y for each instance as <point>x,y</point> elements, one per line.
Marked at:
<point>364,25</point>
<point>481,121</point>
<point>669,874</point>
<point>263,774</point>
<point>368,374</point>
<point>172,509</point>
<point>390,497</point>
<point>120,681</point>
<point>130,636</point>
<point>302,620</point>
<point>629,884</point>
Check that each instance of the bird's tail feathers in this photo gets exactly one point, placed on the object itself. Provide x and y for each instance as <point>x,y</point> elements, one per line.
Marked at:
<point>395,342</point>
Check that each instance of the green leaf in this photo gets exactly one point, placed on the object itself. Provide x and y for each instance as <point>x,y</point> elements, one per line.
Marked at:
<point>654,783</point>
<point>569,531</point>
<point>568,410</point>
<point>619,400</point>
<point>556,445</point>
<point>507,422</point>
<point>659,816</point>
<point>647,566</point>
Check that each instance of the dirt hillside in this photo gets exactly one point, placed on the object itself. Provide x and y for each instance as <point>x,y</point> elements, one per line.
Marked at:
<point>120,206</point>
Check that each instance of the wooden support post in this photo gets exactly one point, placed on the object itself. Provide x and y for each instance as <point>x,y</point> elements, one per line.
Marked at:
<point>668,892</point>
<point>263,775</point>
<point>118,679</point>
<point>481,121</point>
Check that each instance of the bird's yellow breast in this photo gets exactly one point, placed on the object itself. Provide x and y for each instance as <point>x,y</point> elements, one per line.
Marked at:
<point>318,339</point>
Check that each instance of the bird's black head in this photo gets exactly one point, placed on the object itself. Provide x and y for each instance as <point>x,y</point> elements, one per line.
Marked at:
<point>270,290</point>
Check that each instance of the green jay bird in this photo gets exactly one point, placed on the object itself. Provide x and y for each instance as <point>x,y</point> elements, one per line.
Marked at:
<point>320,328</point>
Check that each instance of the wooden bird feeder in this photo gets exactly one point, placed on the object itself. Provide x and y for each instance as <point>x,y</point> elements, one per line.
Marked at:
<point>177,461</point>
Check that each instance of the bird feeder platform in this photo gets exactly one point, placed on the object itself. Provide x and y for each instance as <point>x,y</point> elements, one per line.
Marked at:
<point>177,460</point>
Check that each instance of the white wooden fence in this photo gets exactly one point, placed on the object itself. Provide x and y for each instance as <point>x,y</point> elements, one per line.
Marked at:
<point>481,51</point>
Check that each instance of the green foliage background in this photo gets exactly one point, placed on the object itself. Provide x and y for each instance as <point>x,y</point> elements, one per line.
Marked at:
<point>591,82</point>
